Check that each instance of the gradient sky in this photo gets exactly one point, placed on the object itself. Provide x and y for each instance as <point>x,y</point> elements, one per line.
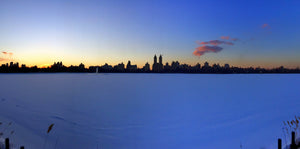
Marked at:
<point>37,32</point>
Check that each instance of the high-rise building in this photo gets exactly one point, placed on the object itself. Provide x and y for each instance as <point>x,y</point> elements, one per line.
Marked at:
<point>157,67</point>
<point>16,65</point>
<point>128,65</point>
<point>160,59</point>
<point>155,59</point>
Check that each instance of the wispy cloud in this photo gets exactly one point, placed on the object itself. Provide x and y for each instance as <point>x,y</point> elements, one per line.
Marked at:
<point>3,59</point>
<point>225,37</point>
<point>215,42</point>
<point>234,39</point>
<point>207,49</point>
<point>6,56</point>
<point>229,38</point>
<point>213,46</point>
<point>7,53</point>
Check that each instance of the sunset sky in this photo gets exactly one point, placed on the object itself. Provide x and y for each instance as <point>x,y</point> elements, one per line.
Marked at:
<point>239,32</point>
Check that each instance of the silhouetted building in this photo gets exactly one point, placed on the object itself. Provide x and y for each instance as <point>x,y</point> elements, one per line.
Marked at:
<point>175,66</point>
<point>81,66</point>
<point>226,66</point>
<point>119,68</point>
<point>157,67</point>
<point>167,67</point>
<point>23,66</point>
<point>197,66</point>
<point>58,67</point>
<point>128,65</point>
<point>216,66</point>
<point>206,64</point>
<point>12,65</point>
<point>16,65</point>
<point>154,63</point>
<point>106,67</point>
<point>160,59</point>
<point>131,68</point>
<point>134,67</point>
<point>146,68</point>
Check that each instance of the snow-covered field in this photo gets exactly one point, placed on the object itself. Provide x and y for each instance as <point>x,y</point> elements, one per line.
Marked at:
<point>147,111</point>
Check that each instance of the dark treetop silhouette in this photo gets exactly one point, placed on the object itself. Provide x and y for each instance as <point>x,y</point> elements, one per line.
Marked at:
<point>157,67</point>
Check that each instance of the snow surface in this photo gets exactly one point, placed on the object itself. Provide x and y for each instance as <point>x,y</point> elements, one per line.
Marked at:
<point>146,111</point>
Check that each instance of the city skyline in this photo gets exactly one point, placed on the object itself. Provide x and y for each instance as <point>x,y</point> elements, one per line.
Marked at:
<point>243,34</point>
<point>157,67</point>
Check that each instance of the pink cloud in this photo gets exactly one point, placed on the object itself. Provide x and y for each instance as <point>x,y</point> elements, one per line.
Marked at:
<point>216,42</point>
<point>225,37</point>
<point>265,25</point>
<point>207,49</point>
<point>7,53</point>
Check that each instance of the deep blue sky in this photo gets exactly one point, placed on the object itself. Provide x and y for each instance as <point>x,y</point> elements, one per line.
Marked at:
<point>113,31</point>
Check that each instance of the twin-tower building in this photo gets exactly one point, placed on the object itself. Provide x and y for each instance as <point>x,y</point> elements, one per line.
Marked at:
<point>157,67</point>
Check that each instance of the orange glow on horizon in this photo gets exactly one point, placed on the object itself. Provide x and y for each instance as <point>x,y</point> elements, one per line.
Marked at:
<point>44,66</point>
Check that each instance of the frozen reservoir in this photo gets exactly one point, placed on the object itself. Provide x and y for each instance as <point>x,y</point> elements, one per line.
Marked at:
<point>147,111</point>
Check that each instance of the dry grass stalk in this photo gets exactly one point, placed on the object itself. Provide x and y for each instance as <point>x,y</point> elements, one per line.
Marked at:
<point>292,125</point>
<point>50,128</point>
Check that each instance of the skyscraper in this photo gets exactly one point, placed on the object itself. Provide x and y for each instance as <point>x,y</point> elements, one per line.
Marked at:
<point>157,67</point>
<point>160,60</point>
<point>155,59</point>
